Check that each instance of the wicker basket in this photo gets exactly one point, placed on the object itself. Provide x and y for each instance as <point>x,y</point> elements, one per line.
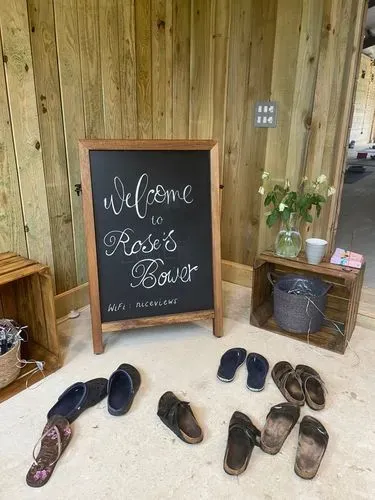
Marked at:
<point>9,370</point>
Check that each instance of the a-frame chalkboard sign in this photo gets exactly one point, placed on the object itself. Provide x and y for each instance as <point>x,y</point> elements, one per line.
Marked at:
<point>152,221</point>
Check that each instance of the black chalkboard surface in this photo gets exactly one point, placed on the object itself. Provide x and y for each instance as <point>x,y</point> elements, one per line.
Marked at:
<point>151,217</point>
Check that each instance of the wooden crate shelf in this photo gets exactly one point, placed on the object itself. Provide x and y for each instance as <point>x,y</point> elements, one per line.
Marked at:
<point>26,295</point>
<point>342,300</point>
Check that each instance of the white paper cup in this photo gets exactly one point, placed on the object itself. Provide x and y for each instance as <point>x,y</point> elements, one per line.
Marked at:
<point>315,249</point>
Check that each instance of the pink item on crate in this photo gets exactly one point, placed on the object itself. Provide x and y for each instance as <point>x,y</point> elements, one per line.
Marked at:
<point>346,258</point>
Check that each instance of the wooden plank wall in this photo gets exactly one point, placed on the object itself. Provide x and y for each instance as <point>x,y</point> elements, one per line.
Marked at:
<point>165,69</point>
<point>364,103</point>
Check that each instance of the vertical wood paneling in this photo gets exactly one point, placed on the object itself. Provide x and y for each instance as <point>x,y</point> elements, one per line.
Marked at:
<point>161,25</point>
<point>143,51</point>
<point>43,44</point>
<point>323,89</point>
<point>170,68</point>
<point>128,69</point>
<point>22,101</point>
<point>287,39</point>
<point>253,153</point>
<point>110,67</point>
<point>201,69</point>
<point>12,233</point>
<point>220,74</point>
<point>69,61</point>
<point>238,71</point>
<point>303,97</point>
<point>88,25</point>
<point>181,68</point>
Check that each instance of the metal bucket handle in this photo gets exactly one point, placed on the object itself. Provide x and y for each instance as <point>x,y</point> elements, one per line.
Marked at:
<point>271,278</point>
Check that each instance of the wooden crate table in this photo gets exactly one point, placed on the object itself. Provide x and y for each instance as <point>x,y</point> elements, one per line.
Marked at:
<point>26,295</point>
<point>342,300</point>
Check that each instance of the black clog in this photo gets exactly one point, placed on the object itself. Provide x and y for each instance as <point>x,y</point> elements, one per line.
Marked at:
<point>78,397</point>
<point>123,385</point>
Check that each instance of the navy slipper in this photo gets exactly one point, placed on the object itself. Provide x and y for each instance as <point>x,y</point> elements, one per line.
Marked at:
<point>123,385</point>
<point>257,369</point>
<point>230,361</point>
<point>78,397</point>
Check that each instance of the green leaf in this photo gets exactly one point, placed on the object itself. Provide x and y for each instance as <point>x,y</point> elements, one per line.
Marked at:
<point>268,199</point>
<point>285,214</point>
<point>272,218</point>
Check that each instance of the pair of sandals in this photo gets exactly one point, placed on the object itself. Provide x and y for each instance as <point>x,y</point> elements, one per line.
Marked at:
<point>300,385</point>
<point>121,389</point>
<point>257,367</point>
<point>243,436</point>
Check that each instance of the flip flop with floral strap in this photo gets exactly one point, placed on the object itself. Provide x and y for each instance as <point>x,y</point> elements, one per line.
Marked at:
<point>55,438</point>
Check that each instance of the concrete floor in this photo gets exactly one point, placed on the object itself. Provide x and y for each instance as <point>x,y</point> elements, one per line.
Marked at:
<point>356,228</point>
<point>136,457</point>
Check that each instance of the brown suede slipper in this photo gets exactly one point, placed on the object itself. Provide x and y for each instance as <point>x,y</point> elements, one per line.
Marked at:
<point>178,416</point>
<point>55,438</point>
<point>288,382</point>
<point>312,386</point>
<point>312,444</point>
<point>280,421</point>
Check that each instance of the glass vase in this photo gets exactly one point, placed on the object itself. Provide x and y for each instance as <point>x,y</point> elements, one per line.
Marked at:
<point>288,241</point>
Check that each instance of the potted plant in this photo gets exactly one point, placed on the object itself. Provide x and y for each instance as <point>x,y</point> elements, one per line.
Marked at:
<point>290,207</point>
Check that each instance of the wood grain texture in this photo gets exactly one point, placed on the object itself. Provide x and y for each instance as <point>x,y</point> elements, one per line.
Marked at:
<point>303,97</point>
<point>110,67</point>
<point>128,70</point>
<point>201,69</point>
<point>68,57</point>
<point>254,140</point>
<point>161,26</point>
<point>181,68</point>
<point>97,337</point>
<point>115,326</point>
<point>12,233</point>
<point>22,103</point>
<point>43,44</point>
<point>220,74</point>
<point>216,249</point>
<point>144,68</point>
<point>234,188</point>
<point>89,41</point>
<point>284,69</point>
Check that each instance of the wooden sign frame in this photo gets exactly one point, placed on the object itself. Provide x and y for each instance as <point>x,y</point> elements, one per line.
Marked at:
<point>216,314</point>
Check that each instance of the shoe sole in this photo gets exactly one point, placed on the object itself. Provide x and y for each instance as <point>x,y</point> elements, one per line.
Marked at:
<point>235,373</point>
<point>255,390</point>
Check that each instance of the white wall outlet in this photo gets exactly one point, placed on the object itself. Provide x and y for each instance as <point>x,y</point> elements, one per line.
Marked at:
<point>265,114</point>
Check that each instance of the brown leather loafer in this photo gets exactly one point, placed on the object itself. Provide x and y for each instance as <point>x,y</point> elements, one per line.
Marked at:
<point>312,386</point>
<point>288,382</point>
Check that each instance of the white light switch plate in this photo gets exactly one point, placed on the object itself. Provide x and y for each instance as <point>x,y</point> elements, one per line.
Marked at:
<point>265,114</point>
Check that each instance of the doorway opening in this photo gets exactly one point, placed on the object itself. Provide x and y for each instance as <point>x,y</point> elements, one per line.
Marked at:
<point>356,224</point>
